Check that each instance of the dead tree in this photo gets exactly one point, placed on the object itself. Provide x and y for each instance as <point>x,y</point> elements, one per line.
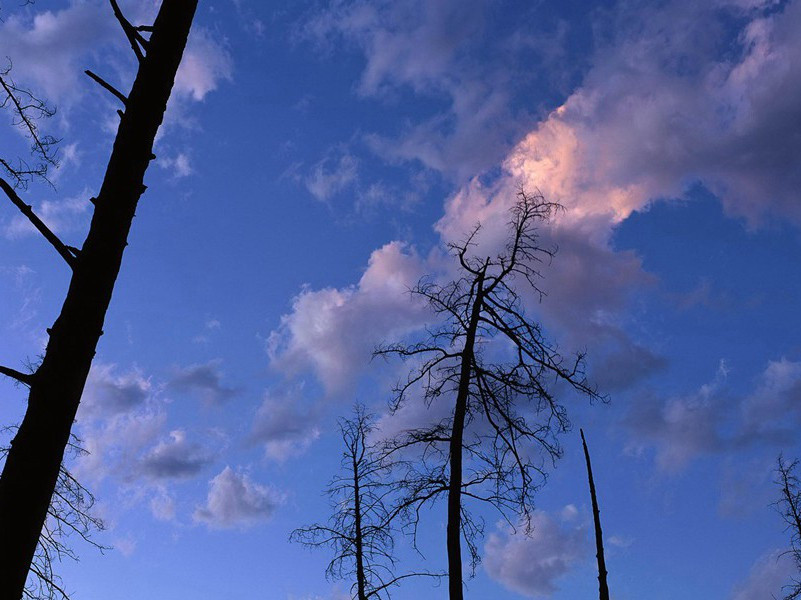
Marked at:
<point>789,507</point>
<point>69,516</point>
<point>32,465</point>
<point>603,589</point>
<point>26,110</point>
<point>495,369</point>
<point>360,531</point>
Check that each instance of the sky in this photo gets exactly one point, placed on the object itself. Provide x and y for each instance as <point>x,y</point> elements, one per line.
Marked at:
<point>316,159</point>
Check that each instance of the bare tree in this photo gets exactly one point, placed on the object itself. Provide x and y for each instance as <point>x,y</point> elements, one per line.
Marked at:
<point>33,462</point>
<point>360,531</point>
<point>68,516</point>
<point>501,394</point>
<point>789,507</point>
<point>26,110</point>
<point>603,588</point>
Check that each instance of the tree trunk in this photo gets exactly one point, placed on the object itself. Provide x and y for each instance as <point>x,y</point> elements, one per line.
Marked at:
<point>36,453</point>
<point>454,527</point>
<point>357,515</point>
<point>603,590</point>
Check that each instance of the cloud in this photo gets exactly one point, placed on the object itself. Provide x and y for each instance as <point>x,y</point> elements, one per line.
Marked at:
<point>663,107</point>
<point>60,216</point>
<point>332,175</point>
<point>234,500</point>
<point>204,380</point>
<point>205,64</point>
<point>283,427</point>
<point>180,165</point>
<point>334,331</point>
<point>531,565</point>
<point>109,392</point>
<point>50,49</point>
<point>175,458</point>
<point>47,49</point>
<point>438,50</point>
<point>767,577</point>
<point>713,419</point>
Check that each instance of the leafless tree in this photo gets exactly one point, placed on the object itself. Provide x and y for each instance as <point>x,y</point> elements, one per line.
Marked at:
<point>789,507</point>
<point>32,466</point>
<point>603,588</point>
<point>360,531</point>
<point>68,516</point>
<point>26,111</point>
<point>497,372</point>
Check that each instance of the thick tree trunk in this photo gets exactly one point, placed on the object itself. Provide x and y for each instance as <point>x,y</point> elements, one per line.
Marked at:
<point>603,590</point>
<point>454,527</point>
<point>32,464</point>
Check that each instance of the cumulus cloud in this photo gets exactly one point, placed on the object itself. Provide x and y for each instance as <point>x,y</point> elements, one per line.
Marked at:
<point>663,108</point>
<point>109,392</point>
<point>205,64</point>
<point>333,331</point>
<point>47,48</point>
<point>235,500</point>
<point>50,49</point>
<point>204,380</point>
<point>175,458</point>
<point>767,577</point>
<point>531,564</point>
<point>285,428</point>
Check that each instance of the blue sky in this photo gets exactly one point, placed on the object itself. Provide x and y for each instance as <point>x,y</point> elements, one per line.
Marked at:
<point>315,159</point>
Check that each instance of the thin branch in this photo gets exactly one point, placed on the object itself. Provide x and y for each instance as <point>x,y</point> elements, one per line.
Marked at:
<point>108,87</point>
<point>134,37</point>
<point>65,252</point>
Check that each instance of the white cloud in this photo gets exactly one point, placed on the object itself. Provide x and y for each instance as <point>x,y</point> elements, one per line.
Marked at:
<point>531,565</point>
<point>767,577</point>
<point>235,500</point>
<point>60,216</point>
<point>334,331</point>
<point>285,428</point>
<point>332,175</point>
<point>205,64</point>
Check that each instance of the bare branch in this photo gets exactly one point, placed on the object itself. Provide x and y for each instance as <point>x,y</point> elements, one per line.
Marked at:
<point>108,87</point>
<point>132,33</point>
<point>25,378</point>
<point>68,253</point>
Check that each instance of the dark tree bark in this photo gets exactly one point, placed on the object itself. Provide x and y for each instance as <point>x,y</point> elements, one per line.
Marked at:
<point>603,589</point>
<point>789,507</point>
<point>34,459</point>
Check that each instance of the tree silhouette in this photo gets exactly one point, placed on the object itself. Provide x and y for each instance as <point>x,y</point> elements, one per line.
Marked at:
<point>497,371</point>
<point>69,515</point>
<point>33,462</point>
<point>789,507</point>
<point>603,589</point>
<point>360,531</point>
<point>26,111</point>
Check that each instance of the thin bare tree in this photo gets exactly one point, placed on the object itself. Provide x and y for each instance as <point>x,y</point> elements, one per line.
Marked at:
<point>26,110</point>
<point>360,531</point>
<point>789,507</point>
<point>603,588</point>
<point>33,462</point>
<point>497,372</point>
